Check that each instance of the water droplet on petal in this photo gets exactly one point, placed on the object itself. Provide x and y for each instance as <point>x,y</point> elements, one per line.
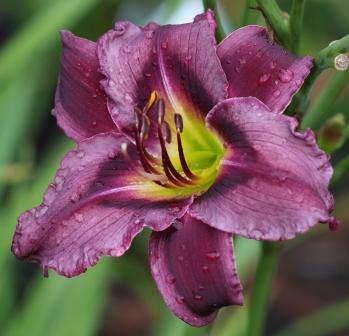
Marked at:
<point>74,197</point>
<point>164,45</point>
<point>126,49</point>
<point>272,65</point>
<point>149,34</point>
<point>263,79</point>
<point>147,75</point>
<point>201,288</point>
<point>205,268</point>
<point>180,299</point>
<point>79,217</point>
<point>212,256</point>
<point>120,28</point>
<point>285,75</point>
<point>188,57</point>
<point>257,234</point>
<point>180,258</point>
<point>112,155</point>
<point>276,93</point>
<point>94,123</point>
<point>170,279</point>
<point>128,99</point>
<point>242,60</point>
<point>80,154</point>
<point>198,297</point>
<point>299,198</point>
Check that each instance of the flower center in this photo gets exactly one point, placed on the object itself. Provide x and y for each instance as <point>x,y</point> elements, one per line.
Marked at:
<point>193,171</point>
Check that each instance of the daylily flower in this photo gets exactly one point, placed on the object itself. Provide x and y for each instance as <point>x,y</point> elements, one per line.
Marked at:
<point>187,138</point>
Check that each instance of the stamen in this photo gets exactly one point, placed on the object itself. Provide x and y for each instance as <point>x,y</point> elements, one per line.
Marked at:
<point>152,100</point>
<point>185,167</point>
<point>167,131</point>
<point>145,127</point>
<point>147,167</point>
<point>166,161</point>
<point>161,111</point>
<point>138,118</point>
<point>159,179</point>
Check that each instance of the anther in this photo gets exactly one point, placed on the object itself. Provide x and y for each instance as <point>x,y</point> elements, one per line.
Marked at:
<point>161,111</point>
<point>152,100</point>
<point>167,132</point>
<point>179,122</point>
<point>179,126</point>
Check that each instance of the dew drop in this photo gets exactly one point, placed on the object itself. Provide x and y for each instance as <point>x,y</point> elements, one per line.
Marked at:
<point>263,79</point>
<point>180,299</point>
<point>41,211</point>
<point>79,217</point>
<point>112,155</point>
<point>137,221</point>
<point>149,34</point>
<point>299,198</point>
<point>94,123</point>
<point>147,75</point>
<point>80,154</point>
<point>285,75</point>
<point>237,69</point>
<point>128,98</point>
<point>94,96</point>
<point>180,258</point>
<point>257,234</point>
<point>242,60</point>
<point>170,279</point>
<point>201,288</point>
<point>198,297</point>
<point>120,29</point>
<point>272,65</point>
<point>212,256</point>
<point>341,62</point>
<point>126,50</point>
<point>276,93</point>
<point>164,45</point>
<point>188,57</point>
<point>74,197</point>
<point>205,268</point>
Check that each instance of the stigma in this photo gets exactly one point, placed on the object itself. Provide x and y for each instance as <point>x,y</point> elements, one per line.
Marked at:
<point>161,167</point>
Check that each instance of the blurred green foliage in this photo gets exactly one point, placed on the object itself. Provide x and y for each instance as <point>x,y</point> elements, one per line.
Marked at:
<point>31,147</point>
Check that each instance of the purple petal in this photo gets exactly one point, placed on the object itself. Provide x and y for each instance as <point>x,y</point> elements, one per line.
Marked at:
<point>273,181</point>
<point>81,105</point>
<point>257,67</point>
<point>95,207</point>
<point>177,61</point>
<point>194,268</point>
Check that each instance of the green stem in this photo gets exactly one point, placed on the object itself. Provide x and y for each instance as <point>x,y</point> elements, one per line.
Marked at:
<point>340,170</point>
<point>321,109</point>
<point>277,20</point>
<point>249,14</point>
<point>324,60</point>
<point>296,21</point>
<point>212,4</point>
<point>346,133</point>
<point>261,289</point>
<point>325,321</point>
